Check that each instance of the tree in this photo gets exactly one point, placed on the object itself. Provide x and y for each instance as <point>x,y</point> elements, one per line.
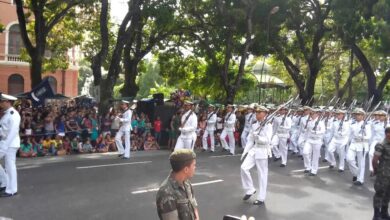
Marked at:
<point>304,39</point>
<point>364,27</point>
<point>46,15</point>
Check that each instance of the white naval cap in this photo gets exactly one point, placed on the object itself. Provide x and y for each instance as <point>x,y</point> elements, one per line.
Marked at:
<point>125,102</point>
<point>4,96</point>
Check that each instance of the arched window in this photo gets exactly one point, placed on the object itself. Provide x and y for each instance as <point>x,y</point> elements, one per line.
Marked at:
<point>14,40</point>
<point>53,83</point>
<point>15,84</point>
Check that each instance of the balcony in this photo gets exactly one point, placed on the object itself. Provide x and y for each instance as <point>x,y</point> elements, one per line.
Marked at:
<point>13,58</point>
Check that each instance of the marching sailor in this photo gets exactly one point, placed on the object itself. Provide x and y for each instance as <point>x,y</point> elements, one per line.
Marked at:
<point>228,130</point>
<point>210,128</point>
<point>250,118</point>
<point>189,124</point>
<point>124,130</point>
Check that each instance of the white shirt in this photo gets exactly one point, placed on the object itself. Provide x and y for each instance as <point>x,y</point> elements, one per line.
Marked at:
<point>378,131</point>
<point>211,120</point>
<point>359,139</point>
<point>259,143</point>
<point>283,129</point>
<point>230,121</point>
<point>126,120</point>
<point>9,130</point>
<point>189,127</point>
<point>316,135</point>
<point>341,133</point>
<point>250,118</point>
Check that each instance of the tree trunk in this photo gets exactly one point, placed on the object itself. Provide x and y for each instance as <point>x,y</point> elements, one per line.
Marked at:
<point>36,70</point>
<point>130,88</point>
<point>97,60</point>
<point>230,95</point>
<point>105,97</point>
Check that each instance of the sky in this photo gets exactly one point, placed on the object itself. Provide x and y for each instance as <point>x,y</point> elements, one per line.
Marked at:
<point>118,10</point>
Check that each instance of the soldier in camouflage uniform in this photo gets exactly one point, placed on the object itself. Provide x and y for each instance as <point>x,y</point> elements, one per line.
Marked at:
<point>381,165</point>
<point>175,199</point>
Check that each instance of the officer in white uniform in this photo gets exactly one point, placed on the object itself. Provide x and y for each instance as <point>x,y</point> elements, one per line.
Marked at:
<point>378,133</point>
<point>210,128</point>
<point>228,130</point>
<point>9,145</point>
<point>328,122</point>
<point>339,140</point>
<point>303,128</point>
<point>358,148</point>
<point>250,118</point>
<point>189,124</point>
<point>314,139</point>
<point>294,132</point>
<point>283,132</point>
<point>124,130</point>
<point>256,153</point>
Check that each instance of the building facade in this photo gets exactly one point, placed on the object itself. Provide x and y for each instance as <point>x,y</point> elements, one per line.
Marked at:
<point>14,73</point>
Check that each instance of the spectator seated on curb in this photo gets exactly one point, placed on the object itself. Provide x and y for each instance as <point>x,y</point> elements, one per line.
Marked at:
<point>38,146</point>
<point>67,146</point>
<point>59,146</point>
<point>87,146</point>
<point>101,145</point>
<point>110,142</point>
<point>26,148</point>
<point>49,145</point>
<point>74,144</point>
<point>150,142</point>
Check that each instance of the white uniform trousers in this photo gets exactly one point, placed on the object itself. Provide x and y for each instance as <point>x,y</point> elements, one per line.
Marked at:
<point>339,148</point>
<point>311,156</point>
<point>327,138</point>
<point>300,143</point>
<point>232,142</point>
<point>371,154</point>
<point>262,174</point>
<point>294,142</point>
<point>359,168</point>
<point>244,136</point>
<point>9,177</point>
<point>184,143</point>
<point>212,140</point>
<point>275,147</point>
<point>118,141</point>
<point>283,149</point>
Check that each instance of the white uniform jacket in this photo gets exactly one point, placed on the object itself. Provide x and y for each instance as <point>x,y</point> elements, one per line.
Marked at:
<point>283,130</point>
<point>126,120</point>
<point>340,133</point>
<point>189,128</point>
<point>9,130</point>
<point>259,144</point>
<point>211,120</point>
<point>315,136</point>
<point>378,131</point>
<point>250,118</point>
<point>359,139</point>
<point>230,121</point>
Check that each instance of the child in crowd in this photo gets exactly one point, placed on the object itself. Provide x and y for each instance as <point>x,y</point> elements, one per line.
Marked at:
<point>150,142</point>
<point>49,145</point>
<point>101,145</point>
<point>59,147</point>
<point>67,146</point>
<point>38,146</point>
<point>110,142</point>
<point>157,129</point>
<point>26,148</point>
<point>87,146</point>
<point>74,144</point>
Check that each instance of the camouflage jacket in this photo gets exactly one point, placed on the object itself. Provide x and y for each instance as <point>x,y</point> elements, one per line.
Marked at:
<point>175,201</point>
<point>383,151</point>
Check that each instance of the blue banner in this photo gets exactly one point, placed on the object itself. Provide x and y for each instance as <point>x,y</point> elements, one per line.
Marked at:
<point>41,92</point>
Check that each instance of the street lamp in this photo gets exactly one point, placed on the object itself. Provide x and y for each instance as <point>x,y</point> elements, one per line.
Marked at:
<point>274,10</point>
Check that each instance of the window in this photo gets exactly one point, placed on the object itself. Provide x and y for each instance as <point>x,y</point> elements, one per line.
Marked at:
<point>15,84</point>
<point>53,83</point>
<point>14,40</point>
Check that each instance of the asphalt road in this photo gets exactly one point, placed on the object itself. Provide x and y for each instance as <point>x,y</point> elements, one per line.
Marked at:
<point>101,186</point>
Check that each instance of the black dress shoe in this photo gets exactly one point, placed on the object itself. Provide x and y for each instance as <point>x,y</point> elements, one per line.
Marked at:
<point>247,196</point>
<point>306,171</point>
<point>354,179</point>
<point>2,189</point>
<point>312,174</point>
<point>358,183</point>
<point>276,159</point>
<point>324,160</point>
<point>331,167</point>
<point>341,171</point>
<point>120,155</point>
<point>282,165</point>
<point>211,151</point>
<point>258,202</point>
<point>203,150</point>
<point>125,158</point>
<point>4,194</point>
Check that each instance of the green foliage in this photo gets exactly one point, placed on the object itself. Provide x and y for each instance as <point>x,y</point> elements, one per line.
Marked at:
<point>149,80</point>
<point>117,89</point>
<point>2,28</point>
<point>85,72</point>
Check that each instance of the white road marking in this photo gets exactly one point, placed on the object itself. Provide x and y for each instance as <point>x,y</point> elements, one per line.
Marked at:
<point>297,171</point>
<point>113,164</point>
<point>236,155</point>
<point>193,184</point>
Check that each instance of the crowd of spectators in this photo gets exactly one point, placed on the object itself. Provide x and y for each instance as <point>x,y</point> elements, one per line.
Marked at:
<point>67,128</point>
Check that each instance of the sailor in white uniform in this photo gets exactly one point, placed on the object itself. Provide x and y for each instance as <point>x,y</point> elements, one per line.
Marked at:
<point>228,130</point>
<point>256,153</point>
<point>211,121</point>
<point>189,124</point>
<point>124,130</point>
<point>9,145</point>
<point>250,118</point>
